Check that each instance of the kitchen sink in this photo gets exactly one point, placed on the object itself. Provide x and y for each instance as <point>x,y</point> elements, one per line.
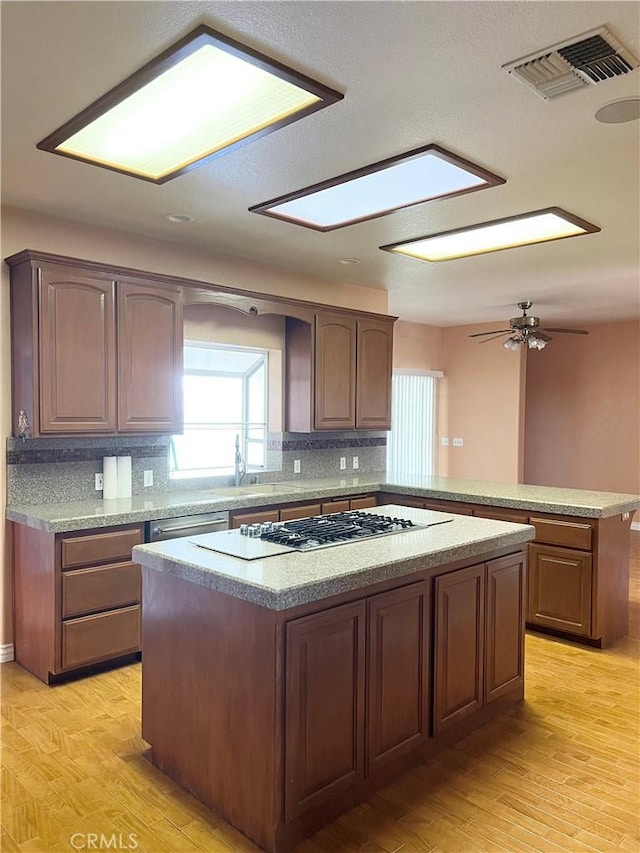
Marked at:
<point>258,490</point>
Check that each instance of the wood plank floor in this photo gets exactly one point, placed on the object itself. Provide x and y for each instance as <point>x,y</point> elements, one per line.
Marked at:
<point>560,773</point>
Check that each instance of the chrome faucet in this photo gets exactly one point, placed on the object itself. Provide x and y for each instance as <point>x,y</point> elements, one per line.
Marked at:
<point>240,468</point>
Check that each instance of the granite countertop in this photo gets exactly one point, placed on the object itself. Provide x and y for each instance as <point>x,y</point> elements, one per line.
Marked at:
<point>82,515</point>
<point>287,580</point>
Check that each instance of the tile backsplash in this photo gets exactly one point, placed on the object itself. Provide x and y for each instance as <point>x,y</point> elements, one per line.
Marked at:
<point>48,470</point>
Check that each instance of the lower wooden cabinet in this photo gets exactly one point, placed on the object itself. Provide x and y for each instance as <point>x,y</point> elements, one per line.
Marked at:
<point>398,696</point>
<point>478,638</point>
<point>459,646</point>
<point>560,589</point>
<point>325,706</point>
<point>290,512</point>
<point>77,598</point>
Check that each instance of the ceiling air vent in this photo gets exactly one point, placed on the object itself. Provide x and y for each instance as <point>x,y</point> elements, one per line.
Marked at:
<point>583,60</point>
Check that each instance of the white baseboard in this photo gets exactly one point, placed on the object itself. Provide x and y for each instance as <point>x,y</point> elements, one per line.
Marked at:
<point>635,525</point>
<point>6,653</point>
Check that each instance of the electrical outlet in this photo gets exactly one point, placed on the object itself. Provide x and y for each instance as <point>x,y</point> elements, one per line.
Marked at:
<point>343,463</point>
<point>296,466</point>
<point>356,463</point>
<point>458,442</point>
<point>444,441</point>
<point>148,478</point>
<point>99,483</point>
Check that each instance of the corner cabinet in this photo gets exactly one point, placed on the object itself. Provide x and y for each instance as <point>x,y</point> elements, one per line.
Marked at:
<point>338,372</point>
<point>91,353</point>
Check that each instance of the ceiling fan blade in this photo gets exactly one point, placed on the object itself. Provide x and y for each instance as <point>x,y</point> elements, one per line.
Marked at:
<point>543,336</point>
<point>494,332</point>
<point>494,338</point>
<point>566,331</point>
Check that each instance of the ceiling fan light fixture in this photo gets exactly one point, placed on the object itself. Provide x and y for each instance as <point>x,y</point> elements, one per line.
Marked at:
<point>417,176</point>
<point>204,96</point>
<point>538,226</point>
<point>511,344</point>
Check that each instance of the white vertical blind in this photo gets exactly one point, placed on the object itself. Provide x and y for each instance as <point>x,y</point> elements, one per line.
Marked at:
<point>411,444</point>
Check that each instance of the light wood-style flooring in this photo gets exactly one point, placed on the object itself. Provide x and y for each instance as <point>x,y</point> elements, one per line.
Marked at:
<point>560,773</point>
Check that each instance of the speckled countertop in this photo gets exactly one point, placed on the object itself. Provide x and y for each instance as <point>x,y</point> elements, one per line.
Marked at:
<point>287,580</point>
<point>82,515</point>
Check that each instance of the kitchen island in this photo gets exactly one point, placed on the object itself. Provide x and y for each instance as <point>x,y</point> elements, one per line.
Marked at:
<point>283,690</point>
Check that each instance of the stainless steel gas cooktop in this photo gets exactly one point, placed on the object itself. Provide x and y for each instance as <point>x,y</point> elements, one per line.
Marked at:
<point>257,541</point>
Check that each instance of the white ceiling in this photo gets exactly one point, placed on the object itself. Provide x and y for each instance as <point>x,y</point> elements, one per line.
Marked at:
<point>412,73</point>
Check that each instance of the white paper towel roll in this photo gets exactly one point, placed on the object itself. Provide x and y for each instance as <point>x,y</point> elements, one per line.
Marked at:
<point>124,477</point>
<point>109,478</point>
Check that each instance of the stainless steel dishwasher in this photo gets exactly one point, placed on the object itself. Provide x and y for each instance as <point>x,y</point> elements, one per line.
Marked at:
<point>185,525</point>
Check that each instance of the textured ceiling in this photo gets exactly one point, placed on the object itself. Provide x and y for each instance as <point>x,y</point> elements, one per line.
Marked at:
<point>412,73</point>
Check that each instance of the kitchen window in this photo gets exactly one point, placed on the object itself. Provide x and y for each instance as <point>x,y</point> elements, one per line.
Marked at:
<point>411,443</point>
<point>225,395</point>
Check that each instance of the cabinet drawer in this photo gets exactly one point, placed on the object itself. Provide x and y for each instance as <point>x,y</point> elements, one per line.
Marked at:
<point>364,503</point>
<point>293,512</point>
<point>448,506</point>
<point>99,547</point>
<point>89,590</point>
<point>571,534</point>
<point>254,517</point>
<point>498,513</point>
<point>100,637</point>
<point>335,506</point>
<point>401,500</point>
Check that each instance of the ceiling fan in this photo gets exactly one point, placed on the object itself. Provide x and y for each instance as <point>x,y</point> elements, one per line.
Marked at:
<point>526,330</point>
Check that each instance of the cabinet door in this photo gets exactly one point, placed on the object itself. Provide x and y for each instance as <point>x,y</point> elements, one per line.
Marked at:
<point>459,646</point>
<point>267,515</point>
<point>398,673</point>
<point>305,511</point>
<point>373,377</point>
<point>559,589</point>
<point>335,372</point>
<point>149,358</point>
<point>504,664</point>
<point>77,353</point>
<point>324,706</point>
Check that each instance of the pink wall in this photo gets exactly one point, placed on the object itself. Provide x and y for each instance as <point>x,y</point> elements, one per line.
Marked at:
<point>482,401</point>
<point>582,425</point>
<point>417,347</point>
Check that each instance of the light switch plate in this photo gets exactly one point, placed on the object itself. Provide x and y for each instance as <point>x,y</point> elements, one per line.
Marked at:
<point>148,478</point>
<point>458,442</point>
<point>343,463</point>
<point>296,466</point>
<point>99,486</point>
<point>356,462</point>
<point>444,441</point>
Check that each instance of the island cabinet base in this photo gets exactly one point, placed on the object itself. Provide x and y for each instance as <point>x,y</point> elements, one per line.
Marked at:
<point>279,721</point>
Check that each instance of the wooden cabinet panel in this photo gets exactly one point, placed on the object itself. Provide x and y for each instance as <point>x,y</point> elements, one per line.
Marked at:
<point>293,512</point>
<point>101,588</point>
<point>456,507</point>
<point>84,549</point>
<point>570,534</point>
<point>76,352</point>
<point>324,706</point>
<point>364,503</point>
<point>238,518</point>
<point>400,500</point>
<point>335,372</point>
<point>398,671</point>
<point>149,358</point>
<point>504,664</point>
<point>336,506</point>
<point>499,513</point>
<point>373,376</point>
<point>459,646</point>
<point>560,589</point>
<point>106,635</point>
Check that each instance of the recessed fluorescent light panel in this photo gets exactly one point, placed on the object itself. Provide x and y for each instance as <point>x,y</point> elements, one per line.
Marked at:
<point>417,176</point>
<point>553,223</point>
<point>203,97</point>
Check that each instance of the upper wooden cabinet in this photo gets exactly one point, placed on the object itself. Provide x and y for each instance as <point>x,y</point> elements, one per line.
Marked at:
<point>149,358</point>
<point>93,354</point>
<point>338,372</point>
